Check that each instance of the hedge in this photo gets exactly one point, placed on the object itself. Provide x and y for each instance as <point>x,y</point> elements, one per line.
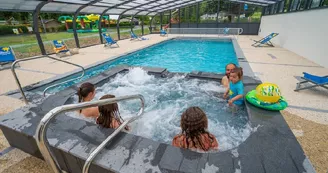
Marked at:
<point>5,29</point>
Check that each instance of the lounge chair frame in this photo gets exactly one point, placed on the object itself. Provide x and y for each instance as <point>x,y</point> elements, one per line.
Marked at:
<point>267,43</point>
<point>315,84</point>
<point>109,44</point>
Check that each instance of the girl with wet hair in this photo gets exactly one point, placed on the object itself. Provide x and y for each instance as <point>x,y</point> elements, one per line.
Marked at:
<point>87,92</point>
<point>109,115</point>
<point>194,134</point>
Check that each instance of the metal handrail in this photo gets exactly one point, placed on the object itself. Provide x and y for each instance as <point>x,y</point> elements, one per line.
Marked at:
<point>42,127</point>
<point>31,58</point>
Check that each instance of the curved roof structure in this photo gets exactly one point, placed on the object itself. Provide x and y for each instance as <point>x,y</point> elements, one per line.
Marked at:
<point>114,7</point>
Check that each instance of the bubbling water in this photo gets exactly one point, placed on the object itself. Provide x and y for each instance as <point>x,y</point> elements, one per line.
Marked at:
<point>167,98</point>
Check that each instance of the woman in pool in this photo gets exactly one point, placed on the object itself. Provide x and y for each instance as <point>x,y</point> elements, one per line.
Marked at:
<point>194,133</point>
<point>87,92</point>
<point>225,80</point>
<point>109,115</point>
<point>236,88</point>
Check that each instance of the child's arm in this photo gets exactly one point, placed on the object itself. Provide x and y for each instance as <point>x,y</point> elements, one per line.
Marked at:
<point>237,97</point>
<point>226,93</point>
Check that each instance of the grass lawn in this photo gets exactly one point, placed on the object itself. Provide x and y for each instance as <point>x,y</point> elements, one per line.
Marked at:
<point>26,45</point>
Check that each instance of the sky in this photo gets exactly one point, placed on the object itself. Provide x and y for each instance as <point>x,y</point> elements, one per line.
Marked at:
<point>113,16</point>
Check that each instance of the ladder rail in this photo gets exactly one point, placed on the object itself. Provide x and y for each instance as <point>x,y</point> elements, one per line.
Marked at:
<point>39,57</point>
<point>43,125</point>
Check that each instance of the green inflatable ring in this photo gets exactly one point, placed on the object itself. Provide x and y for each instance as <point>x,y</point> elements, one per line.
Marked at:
<point>280,105</point>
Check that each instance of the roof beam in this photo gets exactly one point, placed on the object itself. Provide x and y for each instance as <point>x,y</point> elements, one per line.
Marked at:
<point>119,17</point>
<point>105,11</point>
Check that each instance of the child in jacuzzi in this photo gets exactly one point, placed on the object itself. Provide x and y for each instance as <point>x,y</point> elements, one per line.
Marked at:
<point>235,89</point>
<point>109,115</point>
<point>87,92</point>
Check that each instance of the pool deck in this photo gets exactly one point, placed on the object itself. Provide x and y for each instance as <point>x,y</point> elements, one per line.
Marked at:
<point>276,65</point>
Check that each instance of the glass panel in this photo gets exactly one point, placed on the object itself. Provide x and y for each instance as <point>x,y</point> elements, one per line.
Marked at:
<point>286,5</point>
<point>193,13</point>
<point>208,11</point>
<point>87,29</point>
<point>325,3</point>
<point>156,24</point>
<point>224,16</point>
<point>315,3</point>
<point>54,26</point>
<point>125,27</point>
<point>252,14</point>
<point>295,5</point>
<point>234,12</point>
<point>146,21</point>
<point>184,15</point>
<point>57,7</point>
<point>175,16</point>
<point>24,43</point>
<point>302,5</point>
<point>281,6</point>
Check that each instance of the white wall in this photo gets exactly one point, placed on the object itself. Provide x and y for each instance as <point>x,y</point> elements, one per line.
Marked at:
<point>304,33</point>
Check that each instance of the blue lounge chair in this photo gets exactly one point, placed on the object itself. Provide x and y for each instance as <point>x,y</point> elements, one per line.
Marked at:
<point>109,40</point>
<point>163,33</point>
<point>265,40</point>
<point>7,56</point>
<point>60,46</point>
<point>317,81</point>
<point>135,37</point>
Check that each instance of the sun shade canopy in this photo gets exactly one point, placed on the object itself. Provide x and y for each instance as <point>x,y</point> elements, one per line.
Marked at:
<point>114,7</point>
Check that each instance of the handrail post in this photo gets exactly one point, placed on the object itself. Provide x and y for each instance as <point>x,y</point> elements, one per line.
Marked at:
<point>32,58</point>
<point>41,130</point>
<point>17,81</point>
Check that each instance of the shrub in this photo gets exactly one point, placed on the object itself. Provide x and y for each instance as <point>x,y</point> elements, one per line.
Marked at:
<point>8,29</point>
<point>61,28</point>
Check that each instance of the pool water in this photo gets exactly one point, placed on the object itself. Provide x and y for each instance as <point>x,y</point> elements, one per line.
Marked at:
<point>167,98</point>
<point>178,55</point>
<point>185,56</point>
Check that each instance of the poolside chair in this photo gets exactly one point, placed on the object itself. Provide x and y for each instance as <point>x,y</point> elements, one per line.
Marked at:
<point>60,47</point>
<point>7,56</point>
<point>109,40</point>
<point>135,37</point>
<point>265,40</point>
<point>163,33</point>
<point>317,81</point>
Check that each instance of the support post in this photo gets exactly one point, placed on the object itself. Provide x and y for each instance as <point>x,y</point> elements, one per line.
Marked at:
<point>289,6</point>
<point>118,27</point>
<point>170,17</point>
<point>217,14</point>
<point>179,18</point>
<point>36,13</point>
<point>197,14</point>
<point>239,10</point>
<point>161,20</point>
<point>142,25</point>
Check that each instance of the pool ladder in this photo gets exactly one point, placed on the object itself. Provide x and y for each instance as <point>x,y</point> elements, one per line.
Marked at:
<point>42,128</point>
<point>46,89</point>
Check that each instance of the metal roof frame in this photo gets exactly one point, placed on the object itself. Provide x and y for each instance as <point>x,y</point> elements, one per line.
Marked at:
<point>26,5</point>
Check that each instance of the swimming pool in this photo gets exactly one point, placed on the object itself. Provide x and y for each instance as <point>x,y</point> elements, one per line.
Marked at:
<point>177,55</point>
<point>167,98</point>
